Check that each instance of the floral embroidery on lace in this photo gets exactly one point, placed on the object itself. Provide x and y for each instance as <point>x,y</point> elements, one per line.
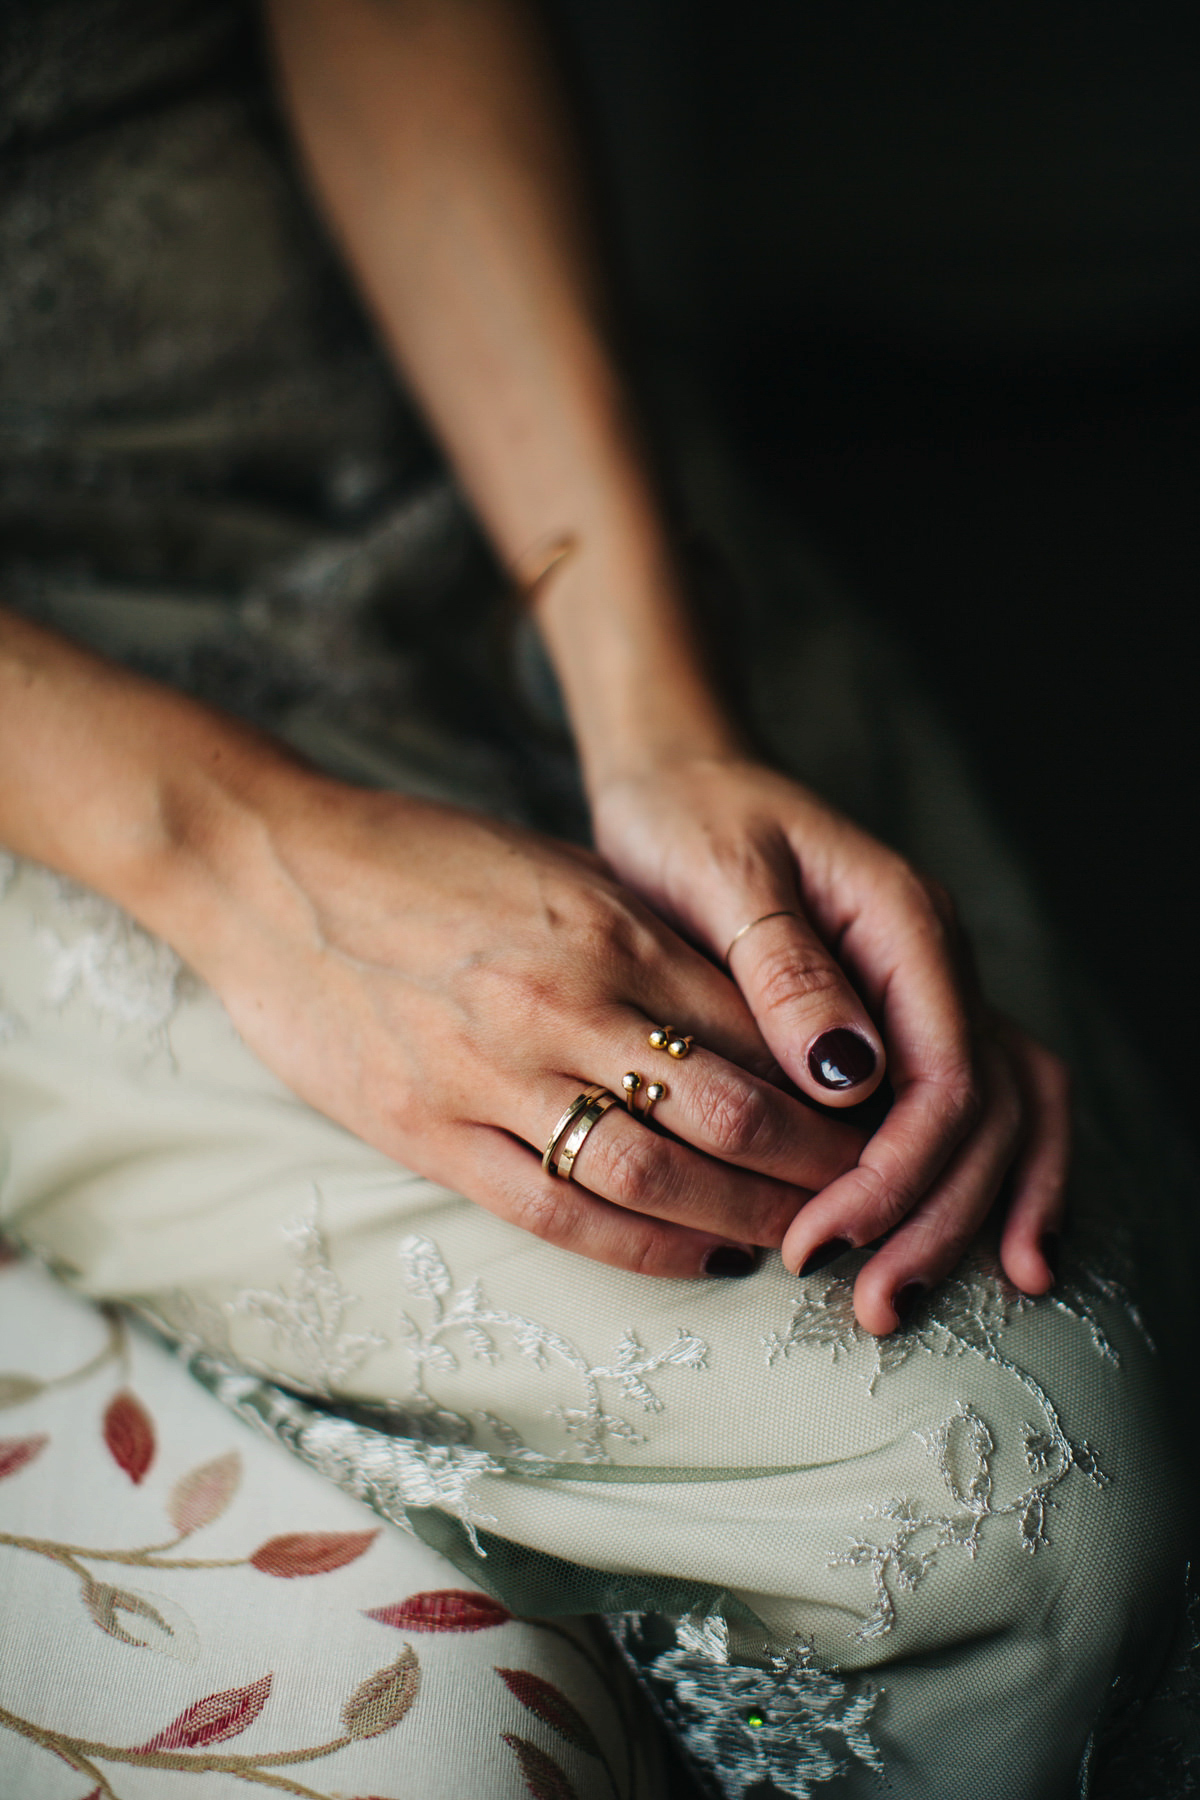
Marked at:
<point>124,973</point>
<point>779,1721</point>
<point>308,1314</point>
<point>469,1313</point>
<point>965,1316</point>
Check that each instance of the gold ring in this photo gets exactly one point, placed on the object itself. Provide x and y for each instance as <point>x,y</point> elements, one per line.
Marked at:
<point>631,1083</point>
<point>665,1037</point>
<point>656,1091</point>
<point>576,1107</point>
<point>785,912</point>
<point>592,1112</point>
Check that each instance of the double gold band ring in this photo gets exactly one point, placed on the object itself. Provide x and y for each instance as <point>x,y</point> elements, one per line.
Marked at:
<point>573,1111</point>
<point>590,1114</point>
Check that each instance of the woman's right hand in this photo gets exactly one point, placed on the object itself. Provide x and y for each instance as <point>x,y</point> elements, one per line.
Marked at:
<point>444,985</point>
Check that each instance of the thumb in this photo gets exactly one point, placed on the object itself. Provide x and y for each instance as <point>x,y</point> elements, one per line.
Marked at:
<point>814,1023</point>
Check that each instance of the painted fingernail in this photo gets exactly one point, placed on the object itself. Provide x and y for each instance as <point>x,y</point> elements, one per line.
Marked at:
<point>823,1255</point>
<point>906,1300</point>
<point>841,1059</point>
<point>728,1260</point>
<point>1051,1248</point>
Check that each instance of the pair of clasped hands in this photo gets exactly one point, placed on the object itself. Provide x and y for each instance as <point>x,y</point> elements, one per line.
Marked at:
<point>445,985</point>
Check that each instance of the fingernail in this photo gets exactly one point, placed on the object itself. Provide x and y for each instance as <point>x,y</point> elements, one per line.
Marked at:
<point>1051,1248</point>
<point>906,1300</point>
<point>728,1260</point>
<point>823,1255</point>
<point>841,1059</point>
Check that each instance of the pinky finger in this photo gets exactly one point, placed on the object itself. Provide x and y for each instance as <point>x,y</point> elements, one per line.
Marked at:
<point>1039,1175</point>
<point>501,1174</point>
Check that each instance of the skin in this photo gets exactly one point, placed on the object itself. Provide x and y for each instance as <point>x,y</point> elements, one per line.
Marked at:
<point>444,985</point>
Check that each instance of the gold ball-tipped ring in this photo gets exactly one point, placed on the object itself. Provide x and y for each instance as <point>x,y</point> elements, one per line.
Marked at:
<point>665,1037</point>
<point>784,912</point>
<point>591,1114</point>
<point>634,1085</point>
<point>573,1111</point>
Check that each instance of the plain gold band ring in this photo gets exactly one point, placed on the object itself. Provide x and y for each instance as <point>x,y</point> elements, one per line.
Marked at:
<point>784,912</point>
<point>573,1111</point>
<point>592,1112</point>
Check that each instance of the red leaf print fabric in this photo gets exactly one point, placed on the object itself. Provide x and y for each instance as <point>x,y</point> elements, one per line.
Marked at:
<point>129,1434</point>
<point>310,1552</point>
<point>543,1777</point>
<point>443,1609</point>
<point>202,1495</point>
<point>554,1709</point>
<point>16,1452</point>
<point>213,1719</point>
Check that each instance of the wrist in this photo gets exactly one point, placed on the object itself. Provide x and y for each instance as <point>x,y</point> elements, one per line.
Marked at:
<point>627,653</point>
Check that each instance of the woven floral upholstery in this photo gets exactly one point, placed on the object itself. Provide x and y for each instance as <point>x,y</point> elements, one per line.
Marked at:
<point>185,1609</point>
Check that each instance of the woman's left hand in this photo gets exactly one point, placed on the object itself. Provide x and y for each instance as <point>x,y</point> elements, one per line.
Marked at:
<point>855,963</point>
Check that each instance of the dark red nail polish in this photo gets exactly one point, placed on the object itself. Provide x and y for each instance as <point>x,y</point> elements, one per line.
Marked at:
<point>841,1059</point>
<point>824,1254</point>
<point>728,1260</point>
<point>906,1300</point>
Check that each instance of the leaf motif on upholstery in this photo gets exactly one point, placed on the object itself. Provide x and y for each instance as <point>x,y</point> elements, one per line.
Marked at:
<point>201,1496</point>
<point>16,1453</point>
<point>213,1719</point>
<point>129,1434</point>
<point>381,1701</point>
<point>543,1777</point>
<point>546,1703</point>
<point>150,1622</point>
<point>469,1314</point>
<point>15,1389</point>
<point>311,1552</point>
<point>443,1609</point>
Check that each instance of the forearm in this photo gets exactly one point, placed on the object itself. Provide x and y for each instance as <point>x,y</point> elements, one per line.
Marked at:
<point>438,142</point>
<point>126,786</point>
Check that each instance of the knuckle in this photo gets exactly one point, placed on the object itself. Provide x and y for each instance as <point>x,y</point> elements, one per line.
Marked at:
<point>631,1167</point>
<point>790,975</point>
<point>881,1206</point>
<point>738,1119</point>
<point>542,1212</point>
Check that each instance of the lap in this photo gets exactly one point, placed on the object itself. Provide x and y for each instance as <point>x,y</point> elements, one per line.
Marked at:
<point>975,1524</point>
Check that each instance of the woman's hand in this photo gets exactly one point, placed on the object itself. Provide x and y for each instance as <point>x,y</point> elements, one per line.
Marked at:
<point>855,959</point>
<point>444,986</point>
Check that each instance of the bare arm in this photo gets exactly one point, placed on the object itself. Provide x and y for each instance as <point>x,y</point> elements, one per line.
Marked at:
<point>336,924</point>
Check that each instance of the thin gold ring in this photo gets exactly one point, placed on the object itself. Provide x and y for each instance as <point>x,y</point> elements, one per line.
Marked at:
<point>656,1091</point>
<point>784,912</point>
<point>632,1083</point>
<point>591,1114</point>
<point>576,1107</point>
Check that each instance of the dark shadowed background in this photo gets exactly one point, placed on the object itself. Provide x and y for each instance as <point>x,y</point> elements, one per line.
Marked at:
<point>938,269</point>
